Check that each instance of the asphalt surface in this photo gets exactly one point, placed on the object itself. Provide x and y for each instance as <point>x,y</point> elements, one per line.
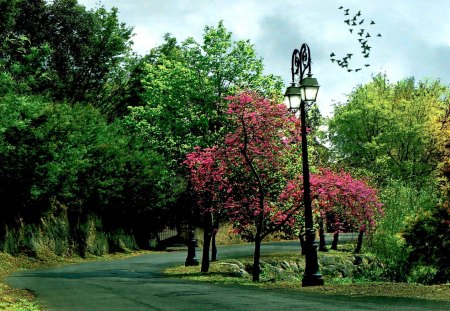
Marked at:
<point>138,283</point>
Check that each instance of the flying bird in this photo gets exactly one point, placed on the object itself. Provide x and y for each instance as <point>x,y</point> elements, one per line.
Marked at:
<point>347,21</point>
<point>379,35</point>
<point>368,35</point>
<point>362,21</point>
<point>351,30</point>
<point>367,65</point>
<point>340,8</point>
<point>356,70</point>
<point>332,54</point>
<point>358,14</point>
<point>372,23</point>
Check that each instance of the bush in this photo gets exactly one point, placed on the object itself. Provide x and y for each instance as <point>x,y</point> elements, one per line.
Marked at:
<point>389,249</point>
<point>428,238</point>
<point>423,274</point>
<point>402,201</point>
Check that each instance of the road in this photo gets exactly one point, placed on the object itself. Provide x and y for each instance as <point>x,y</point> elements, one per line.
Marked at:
<point>137,283</point>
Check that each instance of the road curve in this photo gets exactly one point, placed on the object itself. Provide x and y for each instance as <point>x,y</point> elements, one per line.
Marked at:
<point>137,283</point>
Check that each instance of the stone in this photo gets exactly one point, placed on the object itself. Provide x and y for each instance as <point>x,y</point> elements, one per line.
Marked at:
<point>235,269</point>
<point>285,265</point>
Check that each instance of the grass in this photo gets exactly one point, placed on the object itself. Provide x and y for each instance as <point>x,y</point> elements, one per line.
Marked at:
<point>221,273</point>
<point>17,299</point>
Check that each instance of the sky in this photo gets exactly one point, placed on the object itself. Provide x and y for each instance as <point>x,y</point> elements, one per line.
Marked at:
<point>415,35</point>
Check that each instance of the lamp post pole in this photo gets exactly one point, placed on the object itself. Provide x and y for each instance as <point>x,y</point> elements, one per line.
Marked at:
<point>191,259</point>
<point>298,95</point>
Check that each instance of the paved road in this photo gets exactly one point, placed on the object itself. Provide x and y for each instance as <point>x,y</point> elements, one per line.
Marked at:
<point>137,283</point>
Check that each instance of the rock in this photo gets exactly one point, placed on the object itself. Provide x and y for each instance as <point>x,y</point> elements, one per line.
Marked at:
<point>285,265</point>
<point>235,269</point>
<point>236,262</point>
<point>357,260</point>
<point>330,270</point>
<point>294,266</point>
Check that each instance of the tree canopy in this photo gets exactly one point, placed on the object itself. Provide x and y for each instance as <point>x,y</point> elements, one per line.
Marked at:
<point>391,130</point>
<point>252,177</point>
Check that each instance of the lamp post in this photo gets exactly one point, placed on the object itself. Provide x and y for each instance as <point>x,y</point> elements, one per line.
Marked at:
<point>298,95</point>
<point>191,259</point>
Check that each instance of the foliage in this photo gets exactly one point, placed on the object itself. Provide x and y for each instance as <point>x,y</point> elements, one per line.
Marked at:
<point>72,156</point>
<point>185,86</point>
<point>250,177</point>
<point>339,200</point>
<point>428,238</point>
<point>62,49</point>
<point>386,129</point>
<point>402,201</point>
<point>180,90</point>
<point>244,176</point>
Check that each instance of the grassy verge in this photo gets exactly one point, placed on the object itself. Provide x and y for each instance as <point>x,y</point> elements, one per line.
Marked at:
<point>16,299</point>
<point>224,272</point>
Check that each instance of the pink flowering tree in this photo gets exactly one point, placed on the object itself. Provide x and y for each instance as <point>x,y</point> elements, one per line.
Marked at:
<point>342,201</point>
<point>253,177</point>
<point>245,175</point>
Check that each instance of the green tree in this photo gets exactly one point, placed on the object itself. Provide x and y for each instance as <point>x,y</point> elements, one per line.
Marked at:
<point>185,86</point>
<point>62,48</point>
<point>390,130</point>
<point>184,90</point>
<point>70,154</point>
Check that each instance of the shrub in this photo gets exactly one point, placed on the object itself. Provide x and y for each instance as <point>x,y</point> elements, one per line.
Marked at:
<point>423,274</point>
<point>428,238</point>
<point>389,249</point>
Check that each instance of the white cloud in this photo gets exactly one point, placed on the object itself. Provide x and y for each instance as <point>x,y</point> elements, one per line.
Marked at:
<point>415,34</point>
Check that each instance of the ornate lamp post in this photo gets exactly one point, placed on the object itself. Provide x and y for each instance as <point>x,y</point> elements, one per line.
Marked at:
<point>191,259</point>
<point>298,95</point>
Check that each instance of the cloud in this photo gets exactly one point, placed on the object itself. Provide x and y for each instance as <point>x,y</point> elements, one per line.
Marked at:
<point>415,34</point>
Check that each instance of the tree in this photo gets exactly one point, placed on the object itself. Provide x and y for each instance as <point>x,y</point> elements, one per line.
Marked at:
<point>69,154</point>
<point>184,86</point>
<point>390,130</point>
<point>339,200</point>
<point>70,53</point>
<point>244,176</point>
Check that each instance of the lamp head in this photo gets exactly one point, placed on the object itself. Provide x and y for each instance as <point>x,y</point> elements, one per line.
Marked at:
<point>309,88</point>
<point>293,97</point>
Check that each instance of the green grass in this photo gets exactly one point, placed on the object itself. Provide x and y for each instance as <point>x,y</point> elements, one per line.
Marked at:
<point>222,274</point>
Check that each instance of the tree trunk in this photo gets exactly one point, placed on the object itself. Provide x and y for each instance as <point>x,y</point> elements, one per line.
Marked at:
<point>322,244</point>
<point>77,236</point>
<point>335,241</point>
<point>257,254</point>
<point>359,242</point>
<point>206,242</point>
<point>256,257</point>
<point>214,233</point>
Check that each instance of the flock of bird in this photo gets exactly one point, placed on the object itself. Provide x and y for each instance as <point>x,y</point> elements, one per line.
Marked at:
<point>363,35</point>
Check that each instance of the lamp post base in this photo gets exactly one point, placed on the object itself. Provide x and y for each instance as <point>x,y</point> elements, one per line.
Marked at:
<point>191,259</point>
<point>312,276</point>
<point>313,280</point>
<point>191,262</point>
